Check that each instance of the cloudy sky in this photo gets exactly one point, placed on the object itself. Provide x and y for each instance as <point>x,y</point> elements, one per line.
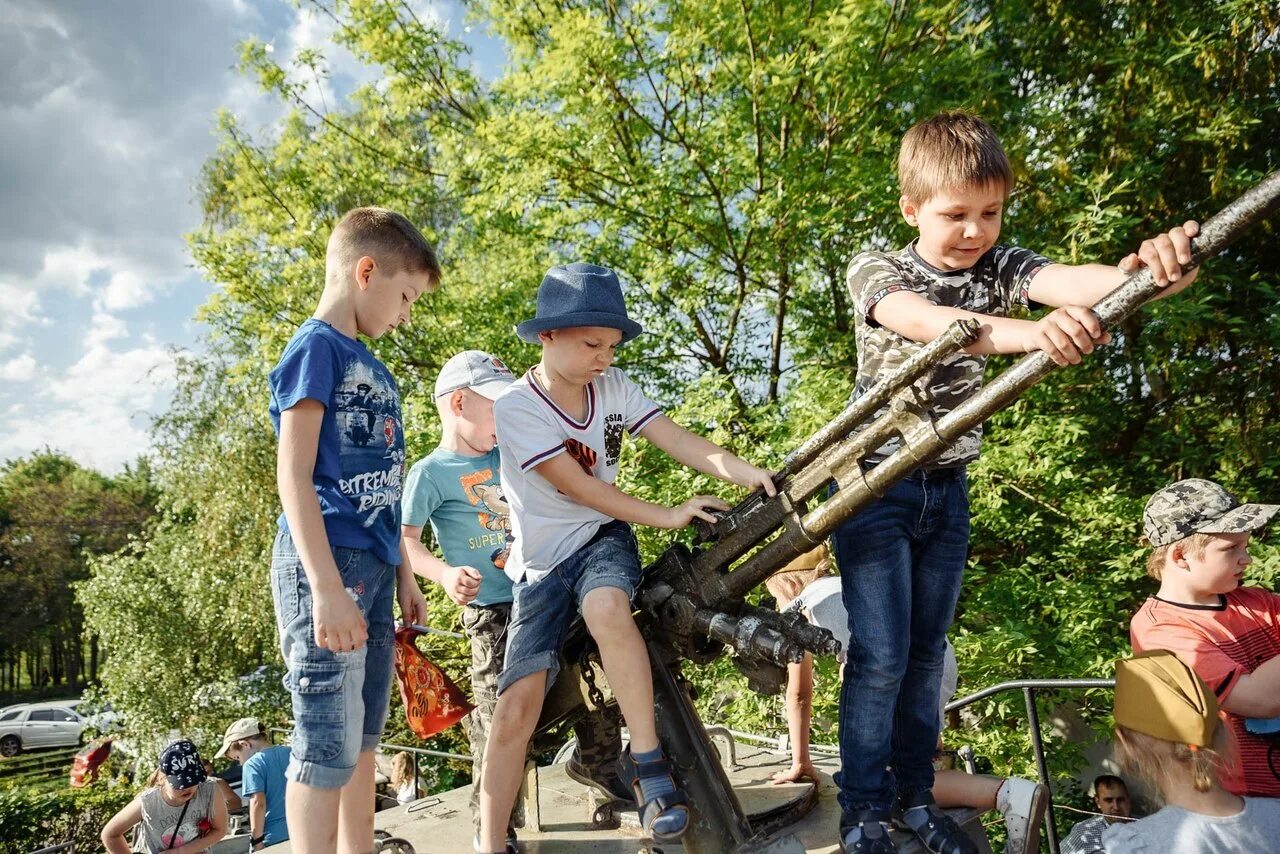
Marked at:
<point>106,115</point>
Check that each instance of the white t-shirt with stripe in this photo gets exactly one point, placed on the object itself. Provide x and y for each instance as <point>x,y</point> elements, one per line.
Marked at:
<point>547,525</point>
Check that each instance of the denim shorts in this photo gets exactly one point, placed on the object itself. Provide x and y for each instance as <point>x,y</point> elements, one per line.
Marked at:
<point>541,611</point>
<point>340,699</point>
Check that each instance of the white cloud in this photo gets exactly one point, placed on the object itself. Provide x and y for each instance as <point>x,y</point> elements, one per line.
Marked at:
<point>103,328</point>
<point>17,311</point>
<point>19,369</point>
<point>99,411</point>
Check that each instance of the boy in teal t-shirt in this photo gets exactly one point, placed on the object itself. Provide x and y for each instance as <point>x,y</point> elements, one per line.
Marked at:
<point>456,488</point>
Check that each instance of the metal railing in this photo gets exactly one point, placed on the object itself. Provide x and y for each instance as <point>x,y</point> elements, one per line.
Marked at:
<point>1028,687</point>
<point>781,744</point>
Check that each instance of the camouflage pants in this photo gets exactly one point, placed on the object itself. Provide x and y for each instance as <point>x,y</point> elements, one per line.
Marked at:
<point>599,736</point>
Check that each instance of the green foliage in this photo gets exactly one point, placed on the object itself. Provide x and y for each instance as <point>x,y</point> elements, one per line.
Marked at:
<point>728,158</point>
<point>30,820</point>
<point>55,516</point>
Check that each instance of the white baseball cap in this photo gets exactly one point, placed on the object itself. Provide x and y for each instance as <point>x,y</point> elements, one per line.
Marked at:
<point>477,370</point>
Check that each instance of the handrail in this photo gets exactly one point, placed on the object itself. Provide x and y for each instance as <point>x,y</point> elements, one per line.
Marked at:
<point>1028,687</point>
<point>1035,684</point>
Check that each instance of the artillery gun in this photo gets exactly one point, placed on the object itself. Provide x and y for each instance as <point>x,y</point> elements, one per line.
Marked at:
<point>691,601</point>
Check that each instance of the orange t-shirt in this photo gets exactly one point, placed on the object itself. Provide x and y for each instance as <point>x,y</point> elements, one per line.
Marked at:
<point>1221,643</point>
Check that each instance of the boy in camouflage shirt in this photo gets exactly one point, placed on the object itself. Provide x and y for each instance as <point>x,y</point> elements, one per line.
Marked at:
<point>901,559</point>
<point>456,488</point>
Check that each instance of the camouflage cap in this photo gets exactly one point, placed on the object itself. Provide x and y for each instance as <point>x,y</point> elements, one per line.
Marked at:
<point>1199,506</point>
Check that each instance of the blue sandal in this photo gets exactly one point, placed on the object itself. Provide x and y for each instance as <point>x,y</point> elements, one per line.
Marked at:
<point>630,771</point>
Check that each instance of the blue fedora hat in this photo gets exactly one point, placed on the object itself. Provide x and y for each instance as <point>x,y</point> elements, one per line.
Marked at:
<point>579,294</point>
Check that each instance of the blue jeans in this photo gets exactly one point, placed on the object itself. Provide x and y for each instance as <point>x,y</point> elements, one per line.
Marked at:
<point>542,611</point>
<point>901,560</point>
<point>340,699</point>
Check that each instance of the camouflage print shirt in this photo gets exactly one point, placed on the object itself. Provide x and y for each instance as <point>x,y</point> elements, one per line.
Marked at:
<point>998,281</point>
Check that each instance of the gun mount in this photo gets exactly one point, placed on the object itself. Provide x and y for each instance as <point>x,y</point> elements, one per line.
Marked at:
<point>691,602</point>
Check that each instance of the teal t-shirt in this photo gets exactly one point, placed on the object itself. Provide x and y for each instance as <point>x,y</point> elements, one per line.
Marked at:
<point>264,772</point>
<point>462,499</point>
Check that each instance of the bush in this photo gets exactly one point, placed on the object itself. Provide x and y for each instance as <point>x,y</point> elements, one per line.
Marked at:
<point>31,820</point>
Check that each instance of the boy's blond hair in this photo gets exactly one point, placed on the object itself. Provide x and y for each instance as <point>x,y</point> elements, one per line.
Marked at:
<point>953,150</point>
<point>1192,545</point>
<point>384,235</point>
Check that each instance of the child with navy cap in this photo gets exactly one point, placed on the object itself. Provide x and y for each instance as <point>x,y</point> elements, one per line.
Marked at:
<point>185,812</point>
<point>559,429</point>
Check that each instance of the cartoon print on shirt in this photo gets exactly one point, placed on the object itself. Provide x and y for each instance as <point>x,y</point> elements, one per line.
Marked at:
<point>372,470</point>
<point>496,517</point>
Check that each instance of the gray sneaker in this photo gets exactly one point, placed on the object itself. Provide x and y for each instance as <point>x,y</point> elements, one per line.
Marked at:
<point>869,835</point>
<point>609,785</point>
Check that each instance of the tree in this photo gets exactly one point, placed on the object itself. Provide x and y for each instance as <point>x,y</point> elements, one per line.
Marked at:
<point>55,516</point>
<point>727,157</point>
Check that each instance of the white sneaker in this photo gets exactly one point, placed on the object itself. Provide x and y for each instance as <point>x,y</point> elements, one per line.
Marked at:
<point>1022,803</point>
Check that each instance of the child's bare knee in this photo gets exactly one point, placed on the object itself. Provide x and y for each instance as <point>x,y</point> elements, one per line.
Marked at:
<point>519,706</point>
<point>606,608</point>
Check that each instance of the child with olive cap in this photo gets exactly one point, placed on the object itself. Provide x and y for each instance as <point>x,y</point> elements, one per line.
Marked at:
<point>1228,633</point>
<point>1168,733</point>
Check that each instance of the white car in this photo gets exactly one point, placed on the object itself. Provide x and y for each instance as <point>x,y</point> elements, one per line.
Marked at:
<point>32,725</point>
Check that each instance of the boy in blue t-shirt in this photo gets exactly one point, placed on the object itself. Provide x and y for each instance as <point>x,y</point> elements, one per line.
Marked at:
<point>262,781</point>
<point>456,488</point>
<point>336,560</point>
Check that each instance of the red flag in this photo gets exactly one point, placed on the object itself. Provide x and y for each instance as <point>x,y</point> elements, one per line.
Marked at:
<point>432,703</point>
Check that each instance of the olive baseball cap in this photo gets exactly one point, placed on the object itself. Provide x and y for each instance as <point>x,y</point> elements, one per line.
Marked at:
<point>1197,506</point>
<point>1159,695</point>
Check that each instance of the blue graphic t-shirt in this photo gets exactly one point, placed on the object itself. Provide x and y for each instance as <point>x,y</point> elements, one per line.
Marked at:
<point>463,500</point>
<point>360,457</point>
<point>264,772</point>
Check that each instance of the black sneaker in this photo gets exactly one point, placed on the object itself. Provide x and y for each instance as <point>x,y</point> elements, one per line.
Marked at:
<point>938,832</point>
<point>871,829</point>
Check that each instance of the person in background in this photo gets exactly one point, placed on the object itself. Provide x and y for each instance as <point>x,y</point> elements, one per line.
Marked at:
<point>185,813</point>
<point>1111,797</point>
<point>807,585</point>
<point>1168,733</point>
<point>402,781</point>
<point>263,782</point>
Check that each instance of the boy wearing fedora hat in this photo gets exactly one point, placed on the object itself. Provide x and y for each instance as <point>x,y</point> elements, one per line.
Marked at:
<point>560,431</point>
<point>455,489</point>
<point>1228,633</point>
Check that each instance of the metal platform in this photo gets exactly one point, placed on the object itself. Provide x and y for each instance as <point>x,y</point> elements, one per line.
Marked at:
<point>441,824</point>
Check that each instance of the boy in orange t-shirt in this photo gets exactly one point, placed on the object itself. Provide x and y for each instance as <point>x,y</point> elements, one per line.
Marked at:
<point>1228,634</point>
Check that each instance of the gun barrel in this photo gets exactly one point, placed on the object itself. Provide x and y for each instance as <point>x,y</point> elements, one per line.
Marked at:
<point>749,636</point>
<point>757,516</point>
<point>1219,232</point>
<point>959,334</point>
